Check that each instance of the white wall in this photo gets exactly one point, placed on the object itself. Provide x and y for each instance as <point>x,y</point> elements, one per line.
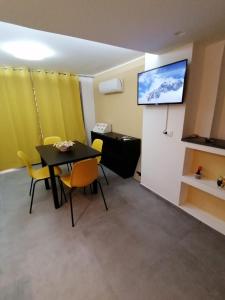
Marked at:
<point>88,104</point>
<point>218,128</point>
<point>213,54</point>
<point>205,108</point>
<point>162,156</point>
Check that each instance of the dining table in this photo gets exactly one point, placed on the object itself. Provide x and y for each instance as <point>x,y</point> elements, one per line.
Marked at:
<point>52,157</point>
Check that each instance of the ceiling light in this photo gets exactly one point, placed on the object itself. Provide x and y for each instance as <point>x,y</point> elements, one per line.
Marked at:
<point>27,50</point>
<point>179,33</point>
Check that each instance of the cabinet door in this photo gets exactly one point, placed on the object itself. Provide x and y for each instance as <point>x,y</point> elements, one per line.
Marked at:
<point>118,155</point>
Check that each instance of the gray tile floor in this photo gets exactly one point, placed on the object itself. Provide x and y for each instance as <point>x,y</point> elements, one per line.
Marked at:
<point>142,248</point>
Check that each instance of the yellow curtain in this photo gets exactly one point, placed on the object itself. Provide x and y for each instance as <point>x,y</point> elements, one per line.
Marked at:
<point>59,105</point>
<point>18,120</point>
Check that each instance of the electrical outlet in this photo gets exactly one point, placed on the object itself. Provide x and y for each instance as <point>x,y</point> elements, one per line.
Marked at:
<point>170,133</point>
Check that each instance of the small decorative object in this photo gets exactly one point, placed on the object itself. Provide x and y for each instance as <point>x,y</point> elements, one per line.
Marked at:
<point>198,173</point>
<point>221,181</point>
<point>64,145</point>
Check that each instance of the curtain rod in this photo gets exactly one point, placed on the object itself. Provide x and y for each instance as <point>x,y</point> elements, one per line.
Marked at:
<point>39,70</point>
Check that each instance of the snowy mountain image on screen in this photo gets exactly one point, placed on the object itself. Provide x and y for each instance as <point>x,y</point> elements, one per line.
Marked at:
<point>162,85</point>
<point>164,88</point>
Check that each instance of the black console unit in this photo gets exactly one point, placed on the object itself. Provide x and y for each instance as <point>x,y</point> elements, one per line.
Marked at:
<point>120,153</point>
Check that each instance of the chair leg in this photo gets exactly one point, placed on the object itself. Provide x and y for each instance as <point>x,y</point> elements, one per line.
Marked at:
<point>60,184</point>
<point>104,174</point>
<point>31,185</point>
<point>60,194</point>
<point>32,196</point>
<point>71,208</point>
<point>106,207</point>
<point>62,191</point>
<point>69,167</point>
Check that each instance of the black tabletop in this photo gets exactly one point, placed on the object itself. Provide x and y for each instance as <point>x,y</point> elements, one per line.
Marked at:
<point>116,136</point>
<point>53,157</point>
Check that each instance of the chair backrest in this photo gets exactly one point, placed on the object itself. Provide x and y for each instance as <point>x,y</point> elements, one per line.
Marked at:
<point>84,172</point>
<point>24,158</point>
<point>97,145</point>
<point>52,140</point>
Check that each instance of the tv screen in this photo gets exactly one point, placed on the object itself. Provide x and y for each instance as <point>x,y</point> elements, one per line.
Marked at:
<point>163,85</point>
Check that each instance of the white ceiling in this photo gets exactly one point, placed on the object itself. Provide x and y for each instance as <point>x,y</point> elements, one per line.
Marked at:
<point>71,54</point>
<point>144,25</point>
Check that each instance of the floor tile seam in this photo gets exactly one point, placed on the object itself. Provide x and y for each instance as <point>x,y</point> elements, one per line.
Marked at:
<point>142,212</point>
<point>198,228</point>
<point>212,270</point>
<point>189,231</point>
<point>171,250</point>
<point>92,223</point>
<point>200,263</point>
<point>194,227</point>
<point>94,254</point>
<point>209,290</point>
<point>110,211</point>
<point>100,216</point>
<point>156,224</point>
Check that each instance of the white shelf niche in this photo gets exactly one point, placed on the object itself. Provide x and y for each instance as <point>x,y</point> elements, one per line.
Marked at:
<point>202,198</point>
<point>204,217</point>
<point>206,185</point>
<point>204,148</point>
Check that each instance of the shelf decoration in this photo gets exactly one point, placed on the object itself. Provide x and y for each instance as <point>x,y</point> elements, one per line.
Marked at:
<point>221,181</point>
<point>198,174</point>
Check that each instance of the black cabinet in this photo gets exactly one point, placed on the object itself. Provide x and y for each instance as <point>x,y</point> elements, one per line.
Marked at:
<point>119,153</point>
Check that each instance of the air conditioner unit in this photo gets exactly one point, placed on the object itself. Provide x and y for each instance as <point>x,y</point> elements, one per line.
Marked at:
<point>111,86</point>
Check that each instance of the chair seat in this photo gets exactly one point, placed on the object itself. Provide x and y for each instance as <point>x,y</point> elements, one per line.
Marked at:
<point>84,173</point>
<point>66,180</point>
<point>35,174</point>
<point>97,145</point>
<point>43,173</point>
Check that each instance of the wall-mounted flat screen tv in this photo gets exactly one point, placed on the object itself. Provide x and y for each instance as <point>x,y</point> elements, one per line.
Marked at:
<point>163,85</point>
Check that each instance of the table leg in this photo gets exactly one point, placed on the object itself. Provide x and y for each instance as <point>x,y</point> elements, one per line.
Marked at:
<point>46,180</point>
<point>54,187</point>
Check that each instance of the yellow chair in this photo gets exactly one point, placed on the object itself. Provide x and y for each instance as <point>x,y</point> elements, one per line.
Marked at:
<point>51,140</point>
<point>35,174</point>
<point>84,173</point>
<point>97,145</point>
